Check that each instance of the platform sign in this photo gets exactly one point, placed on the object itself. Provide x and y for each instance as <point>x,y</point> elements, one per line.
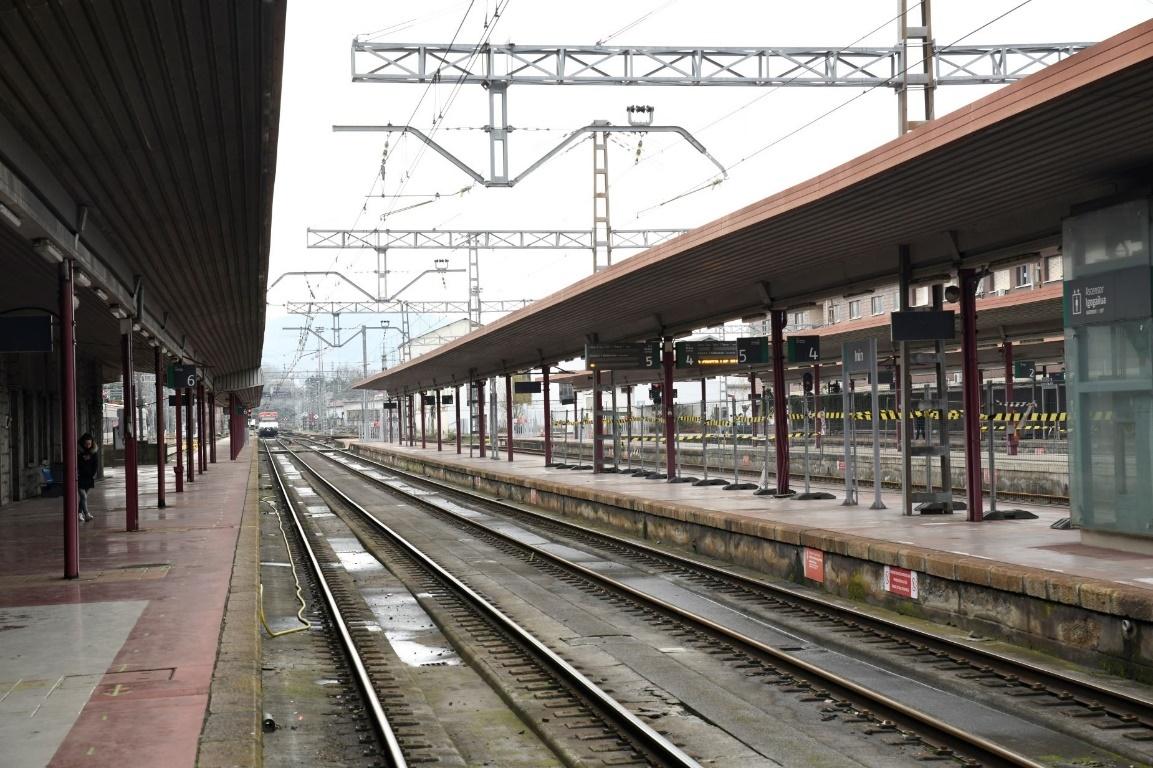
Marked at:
<point>814,564</point>
<point>624,357</point>
<point>900,581</point>
<point>916,325</point>
<point>1024,369</point>
<point>567,394</point>
<point>701,354</point>
<point>802,349</point>
<point>446,399</point>
<point>26,334</point>
<point>390,405</point>
<point>428,399</point>
<point>858,356</point>
<point>181,376</point>
<point>753,350</point>
<point>1122,294</point>
<point>526,387</point>
<point>175,400</point>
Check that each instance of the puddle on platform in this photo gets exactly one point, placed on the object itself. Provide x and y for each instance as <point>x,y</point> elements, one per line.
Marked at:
<point>411,632</point>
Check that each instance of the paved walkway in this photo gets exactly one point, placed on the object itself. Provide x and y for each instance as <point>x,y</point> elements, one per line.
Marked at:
<point>1029,543</point>
<point>114,668</point>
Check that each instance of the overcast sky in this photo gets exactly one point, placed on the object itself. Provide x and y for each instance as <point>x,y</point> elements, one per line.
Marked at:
<point>325,179</point>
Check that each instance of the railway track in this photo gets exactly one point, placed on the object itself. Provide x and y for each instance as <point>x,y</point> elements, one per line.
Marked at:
<point>607,730</point>
<point>1111,719</point>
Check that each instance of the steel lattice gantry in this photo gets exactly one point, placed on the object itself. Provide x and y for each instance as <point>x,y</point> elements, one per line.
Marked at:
<point>663,65</point>
<point>500,239</point>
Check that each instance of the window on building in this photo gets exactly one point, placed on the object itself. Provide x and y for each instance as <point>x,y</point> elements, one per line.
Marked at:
<point>798,319</point>
<point>855,309</point>
<point>1022,275</point>
<point>920,296</point>
<point>833,312</point>
<point>878,305</point>
<point>1054,268</point>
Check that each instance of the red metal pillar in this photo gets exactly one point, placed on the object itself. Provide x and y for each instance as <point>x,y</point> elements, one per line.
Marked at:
<point>670,410</point>
<point>547,416</point>
<point>211,427</point>
<point>1013,437</point>
<point>412,420</point>
<point>780,400</point>
<point>201,433</point>
<point>188,430</point>
<point>423,420</point>
<point>598,425</point>
<point>439,438</point>
<point>756,401</point>
<point>131,490</point>
<point>816,403</point>
<point>399,420</point>
<point>480,413</point>
<point>161,449</point>
<point>179,395</point>
<point>971,393</point>
<point>232,426</point>
<point>508,412</point>
<point>68,424</point>
<point>456,405</point>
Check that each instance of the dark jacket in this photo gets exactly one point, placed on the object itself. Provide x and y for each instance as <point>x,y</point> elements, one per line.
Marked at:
<point>87,465</point>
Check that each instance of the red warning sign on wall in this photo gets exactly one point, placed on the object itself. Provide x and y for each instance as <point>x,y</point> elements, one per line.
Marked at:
<point>900,581</point>
<point>814,564</point>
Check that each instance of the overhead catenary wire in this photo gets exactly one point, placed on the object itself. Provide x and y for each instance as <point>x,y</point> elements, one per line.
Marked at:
<point>714,181</point>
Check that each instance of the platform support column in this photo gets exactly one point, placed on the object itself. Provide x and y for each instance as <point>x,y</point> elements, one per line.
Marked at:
<point>131,490</point>
<point>161,450</point>
<point>400,420</point>
<point>232,433</point>
<point>201,432</point>
<point>480,414</point>
<point>756,401</point>
<point>188,428</point>
<point>178,427</point>
<point>598,425</point>
<point>456,400</point>
<point>211,410</point>
<point>1010,431</point>
<point>423,421</point>
<point>508,412</point>
<point>68,424</point>
<point>547,415</point>
<point>971,393</point>
<point>669,409</point>
<point>439,434</point>
<point>412,420</point>
<point>816,404</point>
<point>780,400</point>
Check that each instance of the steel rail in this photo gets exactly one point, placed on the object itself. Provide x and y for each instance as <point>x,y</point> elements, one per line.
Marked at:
<point>393,752</point>
<point>629,722</point>
<point>1085,690</point>
<point>1121,701</point>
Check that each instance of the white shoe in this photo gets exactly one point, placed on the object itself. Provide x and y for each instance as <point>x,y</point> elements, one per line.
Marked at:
<point>88,517</point>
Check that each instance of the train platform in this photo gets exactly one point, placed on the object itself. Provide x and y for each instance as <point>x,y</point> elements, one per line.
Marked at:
<point>1020,579</point>
<point>117,667</point>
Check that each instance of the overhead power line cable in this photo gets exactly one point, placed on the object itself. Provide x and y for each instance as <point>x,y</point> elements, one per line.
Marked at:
<point>714,181</point>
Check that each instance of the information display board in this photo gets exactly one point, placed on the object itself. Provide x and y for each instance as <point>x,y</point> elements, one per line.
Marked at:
<point>567,394</point>
<point>526,387</point>
<point>802,349</point>
<point>917,325</point>
<point>699,354</point>
<point>26,334</point>
<point>624,357</point>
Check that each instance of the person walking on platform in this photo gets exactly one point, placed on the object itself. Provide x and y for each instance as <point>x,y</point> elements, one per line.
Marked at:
<point>87,465</point>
